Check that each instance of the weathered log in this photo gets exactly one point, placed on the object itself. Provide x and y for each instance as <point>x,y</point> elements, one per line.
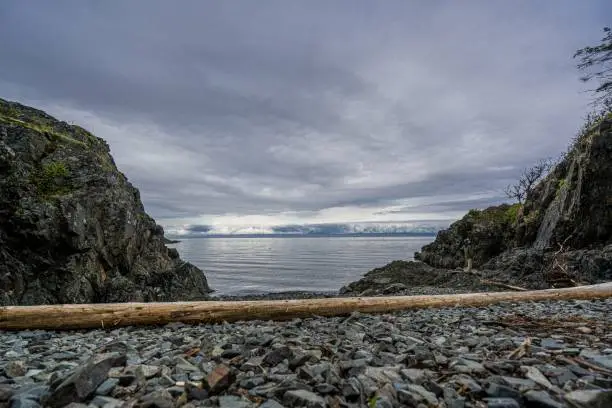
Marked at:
<point>61,317</point>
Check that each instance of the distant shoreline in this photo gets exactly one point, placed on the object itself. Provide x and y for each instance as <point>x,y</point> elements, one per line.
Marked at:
<point>377,234</point>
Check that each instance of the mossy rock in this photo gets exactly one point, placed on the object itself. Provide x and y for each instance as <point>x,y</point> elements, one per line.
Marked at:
<point>512,213</point>
<point>503,214</point>
<point>17,115</point>
<point>52,179</point>
<point>491,231</point>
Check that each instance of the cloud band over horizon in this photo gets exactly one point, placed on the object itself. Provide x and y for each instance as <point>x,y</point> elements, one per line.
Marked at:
<point>305,113</point>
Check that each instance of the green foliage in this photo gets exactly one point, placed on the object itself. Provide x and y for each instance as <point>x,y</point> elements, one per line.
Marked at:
<point>12,116</point>
<point>512,213</point>
<point>51,179</point>
<point>55,169</point>
<point>532,217</point>
<point>592,120</point>
<point>560,186</point>
<point>106,163</point>
<point>588,129</point>
<point>562,183</point>
<point>596,63</point>
<point>503,214</point>
<point>474,213</point>
<point>10,111</point>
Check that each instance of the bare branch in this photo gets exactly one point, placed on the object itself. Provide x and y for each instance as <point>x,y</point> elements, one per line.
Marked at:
<point>596,62</point>
<point>528,180</point>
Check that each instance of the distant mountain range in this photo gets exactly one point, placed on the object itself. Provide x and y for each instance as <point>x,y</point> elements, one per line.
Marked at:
<point>340,229</point>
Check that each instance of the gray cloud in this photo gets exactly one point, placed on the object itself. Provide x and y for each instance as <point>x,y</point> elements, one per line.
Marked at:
<point>245,108</point>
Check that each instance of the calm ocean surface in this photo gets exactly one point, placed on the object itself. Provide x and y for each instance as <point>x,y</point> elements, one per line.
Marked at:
<point>245,265</point>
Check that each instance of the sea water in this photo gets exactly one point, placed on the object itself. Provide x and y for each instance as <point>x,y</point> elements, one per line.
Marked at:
<point>255,265</point>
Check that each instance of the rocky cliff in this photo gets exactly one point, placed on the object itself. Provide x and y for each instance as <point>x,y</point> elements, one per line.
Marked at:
<point>561,235</point>
<point>72,228</point>
<point>573,205</point>
<point>491,232</point>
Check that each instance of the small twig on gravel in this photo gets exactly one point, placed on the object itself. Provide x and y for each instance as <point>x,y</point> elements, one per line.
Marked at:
<point>503,285</point>
<point>521,350</point>
<point>444,376</point>
<point>363,326</point>
<point>349,318</point>
<point>584,364</point>
<point>550,323</point>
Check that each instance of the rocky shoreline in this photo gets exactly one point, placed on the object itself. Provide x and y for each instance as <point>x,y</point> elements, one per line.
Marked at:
<point>545,354</point>
<point>398,278</point>
<point>391,290</point>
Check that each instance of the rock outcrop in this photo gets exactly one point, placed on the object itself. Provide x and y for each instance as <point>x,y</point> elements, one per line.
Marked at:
<point>491,232</point>
<point>539,269</point>
<point>413,278</point>
<point>573,205</point>
<point>72,228</point>
<point>562,235</point>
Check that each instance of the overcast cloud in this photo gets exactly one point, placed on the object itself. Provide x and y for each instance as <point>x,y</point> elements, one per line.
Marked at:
<point>295,112</point>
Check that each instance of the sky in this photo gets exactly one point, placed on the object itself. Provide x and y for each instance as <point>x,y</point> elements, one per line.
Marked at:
<point>244,115</point>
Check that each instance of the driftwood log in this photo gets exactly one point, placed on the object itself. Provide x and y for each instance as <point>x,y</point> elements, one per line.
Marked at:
<point>89,316</point>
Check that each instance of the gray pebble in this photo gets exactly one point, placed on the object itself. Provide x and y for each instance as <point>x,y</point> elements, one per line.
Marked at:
<point>502,403</point>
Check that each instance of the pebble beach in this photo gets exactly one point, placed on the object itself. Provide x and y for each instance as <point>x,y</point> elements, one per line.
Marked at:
<point>531,354</point>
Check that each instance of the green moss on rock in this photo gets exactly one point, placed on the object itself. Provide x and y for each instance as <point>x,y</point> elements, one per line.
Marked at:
<point>490,230</point>
<point>12,113</point>
<point>560,186</point>
<point>52,179</point>
<point>512,213</point>
<point>505,214</point>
